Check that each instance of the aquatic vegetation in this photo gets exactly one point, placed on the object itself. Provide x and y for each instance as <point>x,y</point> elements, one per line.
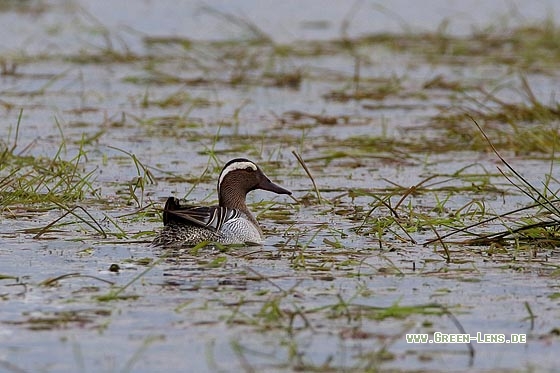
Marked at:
<point>28,179</point>
<point>400,223</point>
<point>540,230</point>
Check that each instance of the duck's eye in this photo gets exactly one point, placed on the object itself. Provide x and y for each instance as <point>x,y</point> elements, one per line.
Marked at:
<point>249,169</point>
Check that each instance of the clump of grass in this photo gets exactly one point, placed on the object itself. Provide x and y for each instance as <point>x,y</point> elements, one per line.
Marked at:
<point>61,319</point>
<point>138,184</point>
<point>537,230</point>
<point>30,184</point>
<point>529,126</point>
<point>112,49</point>
<point>442,83</point>
<point>375,91</point>
<point>31,180</point>
<point>178,99</point>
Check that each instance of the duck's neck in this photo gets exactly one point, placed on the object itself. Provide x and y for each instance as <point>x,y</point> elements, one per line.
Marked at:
<point>235,199</point>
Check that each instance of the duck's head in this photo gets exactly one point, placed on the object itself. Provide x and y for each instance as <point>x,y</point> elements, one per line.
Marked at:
<point>240,176</point>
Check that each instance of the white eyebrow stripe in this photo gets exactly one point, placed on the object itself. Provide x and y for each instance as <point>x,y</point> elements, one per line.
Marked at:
<point>236,166</point>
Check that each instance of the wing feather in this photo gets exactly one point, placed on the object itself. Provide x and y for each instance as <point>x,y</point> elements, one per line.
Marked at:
<point>211,217</point>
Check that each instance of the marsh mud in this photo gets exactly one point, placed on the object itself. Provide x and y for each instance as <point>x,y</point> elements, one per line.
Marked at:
<point>107,108</point>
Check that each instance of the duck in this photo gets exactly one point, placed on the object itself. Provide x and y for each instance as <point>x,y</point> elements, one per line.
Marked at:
<point>228,223</point>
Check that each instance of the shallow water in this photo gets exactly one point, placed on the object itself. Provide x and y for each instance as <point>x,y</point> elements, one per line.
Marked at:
<point>327,291</point>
